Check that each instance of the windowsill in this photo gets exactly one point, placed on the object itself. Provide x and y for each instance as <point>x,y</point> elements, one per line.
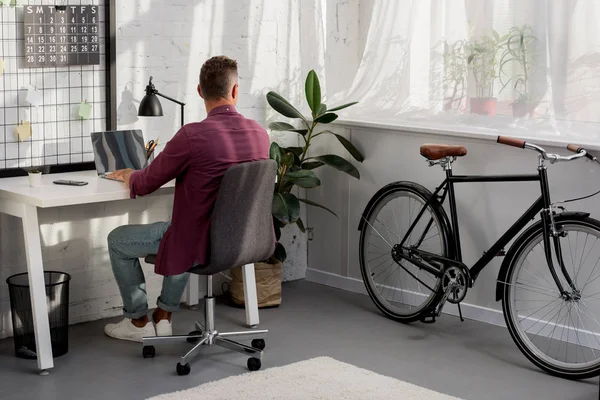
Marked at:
<point>561,133</point>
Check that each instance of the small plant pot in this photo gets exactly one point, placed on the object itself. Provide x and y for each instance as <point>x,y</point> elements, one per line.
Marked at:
<point>521,110</point>
<point>483,106</point>
<point>35,179</point>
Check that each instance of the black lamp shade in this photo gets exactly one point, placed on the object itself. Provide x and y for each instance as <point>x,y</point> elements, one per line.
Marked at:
<point>150,106</point>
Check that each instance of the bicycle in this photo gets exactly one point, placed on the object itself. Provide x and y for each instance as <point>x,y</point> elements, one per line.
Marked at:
<point>411,262</point>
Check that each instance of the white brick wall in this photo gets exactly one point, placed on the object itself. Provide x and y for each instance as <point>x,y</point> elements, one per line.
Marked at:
<point>275,42</point>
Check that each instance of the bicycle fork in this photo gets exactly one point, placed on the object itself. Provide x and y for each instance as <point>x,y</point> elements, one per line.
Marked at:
<point>550,231</point>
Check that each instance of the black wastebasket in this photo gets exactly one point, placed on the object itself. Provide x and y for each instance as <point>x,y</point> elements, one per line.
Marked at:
<point>57,298</point>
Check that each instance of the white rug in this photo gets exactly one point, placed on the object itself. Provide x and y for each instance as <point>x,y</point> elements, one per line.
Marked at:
<point>318,378</point>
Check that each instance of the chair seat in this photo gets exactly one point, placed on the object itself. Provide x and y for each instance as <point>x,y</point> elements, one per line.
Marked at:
<point>436,151</point>
<point>196,269</point>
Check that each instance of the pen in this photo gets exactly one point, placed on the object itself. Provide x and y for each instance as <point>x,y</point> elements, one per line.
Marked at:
<point>151,146</point>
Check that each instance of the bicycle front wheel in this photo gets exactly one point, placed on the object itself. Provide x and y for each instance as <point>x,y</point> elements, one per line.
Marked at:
<point>401,290</point>
<point>558,332</point>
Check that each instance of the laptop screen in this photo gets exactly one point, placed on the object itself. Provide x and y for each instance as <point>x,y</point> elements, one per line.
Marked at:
<point>116,150</point>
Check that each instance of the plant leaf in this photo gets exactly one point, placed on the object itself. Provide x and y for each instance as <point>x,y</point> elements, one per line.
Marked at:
<point>348,146</point>
<point>304,178</point>
<point>312,164</point>
<point>326,118</point>
<point>340,164</point>
<point>322,109</point>
<point>276,153</point>
<point>470,59</point>
<point>277,228</point>
<point>279,254</point>
<point>303,132</point>
<point>312,88</point>
<point>285,207</point>
<point>312,203</point>
<point>296,150</point>
<point>282,106</point>
<point>343,106</point>
<point>288,160</point>
<point>281,126</point>
<point>301,225</point>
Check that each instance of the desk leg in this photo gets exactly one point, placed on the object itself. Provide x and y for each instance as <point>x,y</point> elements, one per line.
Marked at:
<point>250,296</point>
<point>192,293</point>
<point>37,288</point>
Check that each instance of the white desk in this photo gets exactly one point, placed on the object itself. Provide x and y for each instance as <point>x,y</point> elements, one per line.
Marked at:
<point>20,200</point>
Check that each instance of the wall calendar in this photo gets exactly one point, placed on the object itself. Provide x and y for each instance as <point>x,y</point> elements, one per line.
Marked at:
<point>61,35</point>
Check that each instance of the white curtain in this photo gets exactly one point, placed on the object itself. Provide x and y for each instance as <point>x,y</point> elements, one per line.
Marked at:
<point>416,69</point>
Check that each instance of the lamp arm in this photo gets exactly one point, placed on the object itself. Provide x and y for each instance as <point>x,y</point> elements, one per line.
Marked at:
<point>156,92</point>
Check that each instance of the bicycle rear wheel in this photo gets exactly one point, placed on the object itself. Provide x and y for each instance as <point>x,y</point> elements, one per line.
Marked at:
<point>560,333</point>
<point>401,290</point>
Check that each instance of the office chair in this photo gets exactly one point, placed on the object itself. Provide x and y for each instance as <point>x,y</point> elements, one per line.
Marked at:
<point>241,233</point>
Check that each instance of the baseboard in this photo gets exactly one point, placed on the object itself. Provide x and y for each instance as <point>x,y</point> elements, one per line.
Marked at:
<point>469,311</point>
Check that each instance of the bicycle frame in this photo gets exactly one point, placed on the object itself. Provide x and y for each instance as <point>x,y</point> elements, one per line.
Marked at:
<point>541,205</point>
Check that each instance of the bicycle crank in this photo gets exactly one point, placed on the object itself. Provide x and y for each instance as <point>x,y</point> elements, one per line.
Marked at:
<point>454,285</point>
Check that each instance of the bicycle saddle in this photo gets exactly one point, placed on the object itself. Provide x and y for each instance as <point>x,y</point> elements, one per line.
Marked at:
<point>437,151</point>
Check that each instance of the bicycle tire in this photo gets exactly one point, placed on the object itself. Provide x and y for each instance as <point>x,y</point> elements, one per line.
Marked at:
<point>527,243</point>
<point>436,210</point>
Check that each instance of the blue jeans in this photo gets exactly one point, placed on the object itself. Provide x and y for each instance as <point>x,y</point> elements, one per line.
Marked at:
<point>126,245</point>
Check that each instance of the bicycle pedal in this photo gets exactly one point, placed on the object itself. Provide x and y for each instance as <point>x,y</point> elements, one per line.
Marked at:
<point>428,318</point>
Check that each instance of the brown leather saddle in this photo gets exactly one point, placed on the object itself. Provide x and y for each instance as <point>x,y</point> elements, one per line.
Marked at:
<point>438,151</point>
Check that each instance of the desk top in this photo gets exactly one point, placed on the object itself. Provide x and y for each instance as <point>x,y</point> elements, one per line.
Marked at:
<point>51,195</point>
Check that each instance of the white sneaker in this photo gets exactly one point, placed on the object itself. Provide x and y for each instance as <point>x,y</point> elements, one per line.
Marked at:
<point>126,330</point>
<point>163,328</point>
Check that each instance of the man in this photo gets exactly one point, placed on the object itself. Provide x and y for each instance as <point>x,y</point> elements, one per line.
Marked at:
<point>197,157</point>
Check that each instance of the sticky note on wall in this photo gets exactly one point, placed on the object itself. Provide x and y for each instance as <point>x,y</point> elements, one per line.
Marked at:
<point>85,109</point>
<point>23,131</point>
<point>1,67</point>
<point>34,96</point>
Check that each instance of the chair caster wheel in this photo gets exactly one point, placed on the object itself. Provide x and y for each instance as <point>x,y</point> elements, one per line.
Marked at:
<point>258,344</point>
<point>254,364</point>
<point>183,369</point>
<point>194,340</point>
<point>148,351</point>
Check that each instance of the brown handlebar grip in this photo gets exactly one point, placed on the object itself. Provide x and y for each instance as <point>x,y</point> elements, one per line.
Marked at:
<point>510,141</point>
<point>574,148</point>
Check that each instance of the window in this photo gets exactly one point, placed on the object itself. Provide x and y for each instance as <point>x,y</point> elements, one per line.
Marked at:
<point>531,67</point>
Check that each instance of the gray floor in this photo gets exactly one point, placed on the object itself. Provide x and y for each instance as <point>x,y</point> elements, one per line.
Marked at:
<point>470,360</point>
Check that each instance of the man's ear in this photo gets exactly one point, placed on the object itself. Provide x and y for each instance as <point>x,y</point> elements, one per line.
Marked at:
<point>234,91</point>
<point>199,91</point>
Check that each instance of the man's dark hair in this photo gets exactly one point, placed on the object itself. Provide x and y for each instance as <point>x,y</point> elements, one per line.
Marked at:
<point>217,77</point>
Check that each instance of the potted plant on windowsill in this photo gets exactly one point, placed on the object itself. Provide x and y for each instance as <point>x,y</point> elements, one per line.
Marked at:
<point>455,74</point>
<point>519,49</point>
<point>35,176</point>
<point>483,61</point>
<point>295,169</point>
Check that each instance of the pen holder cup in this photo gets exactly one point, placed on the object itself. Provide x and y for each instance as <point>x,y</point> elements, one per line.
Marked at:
<point>35,179</point>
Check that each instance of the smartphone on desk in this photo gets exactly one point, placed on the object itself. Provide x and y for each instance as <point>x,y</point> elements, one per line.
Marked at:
<point>70,183</point>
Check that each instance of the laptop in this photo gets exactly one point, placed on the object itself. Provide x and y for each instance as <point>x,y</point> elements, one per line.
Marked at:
<point>115,150</point>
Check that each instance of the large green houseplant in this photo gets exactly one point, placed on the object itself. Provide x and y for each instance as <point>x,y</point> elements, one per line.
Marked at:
<point>296,165</point>
<point>295,168</point>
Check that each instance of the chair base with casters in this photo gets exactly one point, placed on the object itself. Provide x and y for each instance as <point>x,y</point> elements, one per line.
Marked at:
<point>206,335</point>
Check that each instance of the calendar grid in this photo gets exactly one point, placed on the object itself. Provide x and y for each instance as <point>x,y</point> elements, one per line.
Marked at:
<point>59,134</point>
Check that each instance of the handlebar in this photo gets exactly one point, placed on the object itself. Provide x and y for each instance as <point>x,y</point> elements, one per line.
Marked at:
<point>553,158</point>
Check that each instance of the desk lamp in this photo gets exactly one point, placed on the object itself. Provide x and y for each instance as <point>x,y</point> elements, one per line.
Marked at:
<point>150,104</point>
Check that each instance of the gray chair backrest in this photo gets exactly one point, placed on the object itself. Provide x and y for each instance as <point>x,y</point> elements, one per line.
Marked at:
<point>241,229</point>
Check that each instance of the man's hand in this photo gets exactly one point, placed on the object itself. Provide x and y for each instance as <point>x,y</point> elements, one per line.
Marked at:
<point>122,175</point>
